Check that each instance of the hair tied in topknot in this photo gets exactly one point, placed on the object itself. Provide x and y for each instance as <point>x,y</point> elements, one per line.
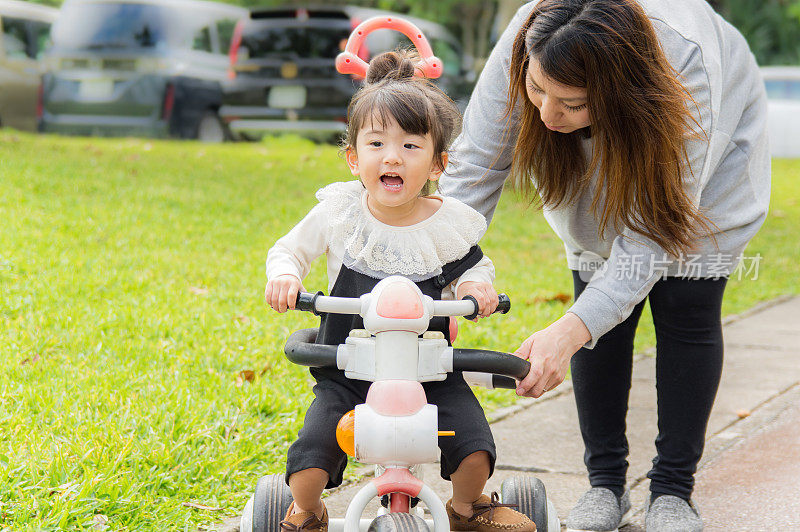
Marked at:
<point>398,65</point>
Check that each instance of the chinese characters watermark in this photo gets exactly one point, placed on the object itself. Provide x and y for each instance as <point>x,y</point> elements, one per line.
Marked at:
<point>690,266</point>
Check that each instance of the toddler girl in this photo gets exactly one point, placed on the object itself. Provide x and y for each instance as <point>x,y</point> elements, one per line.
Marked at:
<point>390,222</point>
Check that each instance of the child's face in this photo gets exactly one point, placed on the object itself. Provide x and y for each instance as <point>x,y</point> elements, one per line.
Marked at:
<point>393,164</point>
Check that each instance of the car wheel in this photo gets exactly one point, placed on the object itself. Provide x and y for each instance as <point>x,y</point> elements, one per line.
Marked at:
<point>210,128</point>
<point>268,506</point>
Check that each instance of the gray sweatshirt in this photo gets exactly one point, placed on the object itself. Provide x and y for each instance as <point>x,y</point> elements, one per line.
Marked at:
<point>730,170</point>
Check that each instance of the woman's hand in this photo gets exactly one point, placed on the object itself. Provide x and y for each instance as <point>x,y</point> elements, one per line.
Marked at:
<point>484,294</point>
<point>549,352</point>
<point>281,292</point>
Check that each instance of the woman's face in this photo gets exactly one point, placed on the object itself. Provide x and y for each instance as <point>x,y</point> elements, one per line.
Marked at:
<point>562,107</point>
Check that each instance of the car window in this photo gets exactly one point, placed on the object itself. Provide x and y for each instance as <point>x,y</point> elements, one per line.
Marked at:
<point>225,29</point>
<point>98,25</point>
<point>40,34</point>
<point>202,40</point>
<point>107,26</point>
<point>450,57</point>
<point>15,38</point>
<point>299,41</point>
<point>783,89</point>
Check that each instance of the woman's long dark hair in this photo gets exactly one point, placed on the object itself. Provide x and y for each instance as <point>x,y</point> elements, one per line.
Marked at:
<point>639,114</point>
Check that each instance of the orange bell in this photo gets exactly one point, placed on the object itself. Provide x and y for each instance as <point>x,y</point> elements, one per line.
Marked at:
<point>345,433</point>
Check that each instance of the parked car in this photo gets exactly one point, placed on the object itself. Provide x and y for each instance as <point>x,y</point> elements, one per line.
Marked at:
<point>26,32</point>
<point>283,75</point>
<point>145,67</point>
<point>783,100</point>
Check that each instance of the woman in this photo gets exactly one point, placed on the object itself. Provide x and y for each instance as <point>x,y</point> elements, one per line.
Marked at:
<point>642,128</point>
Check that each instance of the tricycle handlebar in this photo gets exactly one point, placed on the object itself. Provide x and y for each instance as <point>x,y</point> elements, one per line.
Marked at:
<point>467,307</point>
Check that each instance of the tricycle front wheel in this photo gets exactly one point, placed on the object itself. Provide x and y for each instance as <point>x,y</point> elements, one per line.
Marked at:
<point>398,522</point>
<point>530,496</point>
<point>268,506</point>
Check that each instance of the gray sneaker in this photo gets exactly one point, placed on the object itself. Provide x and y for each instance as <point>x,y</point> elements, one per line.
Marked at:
<point>672,514</point>
<point>599,510</point>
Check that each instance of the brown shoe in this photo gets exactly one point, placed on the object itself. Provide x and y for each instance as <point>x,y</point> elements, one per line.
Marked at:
<point>490,516</point>
<point>305,520</point>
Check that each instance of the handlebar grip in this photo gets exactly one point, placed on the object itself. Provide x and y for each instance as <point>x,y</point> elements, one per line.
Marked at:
<point>503,305</point>
<point>485,361</point>
<point>307,301</point>
<point>501,381</point>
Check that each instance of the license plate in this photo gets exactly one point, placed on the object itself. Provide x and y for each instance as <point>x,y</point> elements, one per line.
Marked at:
<point>96,89</point>
<point>287,97</point>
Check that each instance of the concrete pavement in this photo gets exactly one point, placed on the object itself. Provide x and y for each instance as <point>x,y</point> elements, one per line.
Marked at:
<point>749,478</point>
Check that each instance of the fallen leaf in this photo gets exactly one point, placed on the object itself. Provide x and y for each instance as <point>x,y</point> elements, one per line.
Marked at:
<point>100,522</point>
<point>63,487</point>
<point>198,290</point>
<point>266,369</point>
<point>742,413</point>
<point>248,374</point>
<point>29,360</point>
<point>202,506</point>
<point>241,318</point>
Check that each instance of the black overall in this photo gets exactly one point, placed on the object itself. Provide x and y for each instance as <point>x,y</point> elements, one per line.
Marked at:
<point>335,394</point>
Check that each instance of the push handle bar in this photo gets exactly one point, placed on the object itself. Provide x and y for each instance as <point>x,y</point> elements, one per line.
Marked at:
<point>301,349</point>
<point>348,61</point>
<point>484,361</point>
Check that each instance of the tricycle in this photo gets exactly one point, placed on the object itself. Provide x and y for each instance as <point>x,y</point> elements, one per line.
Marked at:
<point>395,428</point>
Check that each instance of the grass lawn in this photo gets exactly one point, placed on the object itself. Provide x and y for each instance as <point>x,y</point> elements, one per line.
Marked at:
<point>143,375</point>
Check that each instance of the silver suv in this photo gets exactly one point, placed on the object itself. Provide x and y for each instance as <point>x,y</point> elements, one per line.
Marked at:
<point>146,67</point>
<point>283,76</point>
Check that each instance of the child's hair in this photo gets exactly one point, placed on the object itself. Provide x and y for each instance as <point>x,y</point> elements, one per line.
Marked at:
<point>419,106</point>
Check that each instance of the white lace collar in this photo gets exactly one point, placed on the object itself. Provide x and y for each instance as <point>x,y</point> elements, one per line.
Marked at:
<point>416,251</point>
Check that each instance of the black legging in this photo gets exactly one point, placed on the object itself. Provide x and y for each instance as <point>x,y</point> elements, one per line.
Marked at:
<point>687,320</point>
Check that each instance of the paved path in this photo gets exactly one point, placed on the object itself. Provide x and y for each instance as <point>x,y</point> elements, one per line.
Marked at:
<point>749,478</point>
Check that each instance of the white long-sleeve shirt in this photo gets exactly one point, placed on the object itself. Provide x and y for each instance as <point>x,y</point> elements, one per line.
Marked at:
<point>730,170</point>
<point>342,227</point>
